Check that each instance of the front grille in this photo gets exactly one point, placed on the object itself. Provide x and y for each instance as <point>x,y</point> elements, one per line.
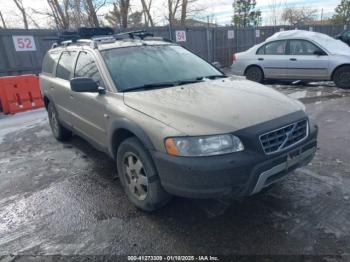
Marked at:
<point>284,137</point>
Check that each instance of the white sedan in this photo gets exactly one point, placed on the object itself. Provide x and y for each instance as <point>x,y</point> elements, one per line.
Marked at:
<point>296,55</point>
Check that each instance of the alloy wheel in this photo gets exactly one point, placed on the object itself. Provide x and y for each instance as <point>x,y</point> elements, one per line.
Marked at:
<point>344,79</point>
<point>254,74</point>
<point>135,176</point>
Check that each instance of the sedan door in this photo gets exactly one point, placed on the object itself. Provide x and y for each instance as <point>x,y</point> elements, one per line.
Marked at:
<point>307,61</point>
<point>272,58</point>
<point>89,114</point>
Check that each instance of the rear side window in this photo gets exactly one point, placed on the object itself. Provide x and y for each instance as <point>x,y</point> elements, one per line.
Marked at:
<point>49,62</point>
<point>86,67</point>
<point>65,65</point>
<point>273,48</point>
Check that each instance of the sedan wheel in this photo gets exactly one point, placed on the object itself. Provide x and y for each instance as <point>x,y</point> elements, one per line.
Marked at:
<point>342,77</point>
<point>255,74</point>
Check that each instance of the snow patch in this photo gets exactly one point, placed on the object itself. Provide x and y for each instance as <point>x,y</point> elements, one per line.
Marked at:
<point>43,133</point>
<point>332,45</point>
<point>298,95</point>
<point>21,121</point>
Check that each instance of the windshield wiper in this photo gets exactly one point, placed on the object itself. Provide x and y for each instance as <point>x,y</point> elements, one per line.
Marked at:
<point>212,77</point>
<point>163,85</point>
<point>151,86</point>
<point>191,81</point>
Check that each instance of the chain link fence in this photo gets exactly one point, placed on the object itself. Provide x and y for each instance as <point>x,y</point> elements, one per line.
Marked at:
<point>213,44</point>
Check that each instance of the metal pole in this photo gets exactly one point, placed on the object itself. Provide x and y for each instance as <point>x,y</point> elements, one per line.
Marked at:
<point>170,32</point>
<point>208,41</point>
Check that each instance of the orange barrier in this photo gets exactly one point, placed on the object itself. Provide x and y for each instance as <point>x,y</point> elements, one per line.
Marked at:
<point>20,93</point>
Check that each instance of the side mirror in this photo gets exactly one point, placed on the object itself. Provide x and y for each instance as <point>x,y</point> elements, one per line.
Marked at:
<point>319,53</point>
<point>217,64</point>
<point>85,85</point>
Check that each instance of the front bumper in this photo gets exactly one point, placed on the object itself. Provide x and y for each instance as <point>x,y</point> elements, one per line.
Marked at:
<point>235,175</point>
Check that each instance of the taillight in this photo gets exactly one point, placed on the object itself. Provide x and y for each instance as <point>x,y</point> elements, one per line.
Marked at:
<point>234,58</point>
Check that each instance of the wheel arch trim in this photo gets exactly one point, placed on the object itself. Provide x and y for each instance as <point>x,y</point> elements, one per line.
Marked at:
<point>47,99</point>
<point>129,126</point>
<point>335,69</point>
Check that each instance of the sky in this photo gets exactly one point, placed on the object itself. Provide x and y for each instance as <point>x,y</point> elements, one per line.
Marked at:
<point>219,11</point>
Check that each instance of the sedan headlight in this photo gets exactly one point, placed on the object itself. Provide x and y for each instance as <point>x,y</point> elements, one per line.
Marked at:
<point>203,146</point>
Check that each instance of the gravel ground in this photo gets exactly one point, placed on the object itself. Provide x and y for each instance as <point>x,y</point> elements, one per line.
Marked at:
<point>64,198</point>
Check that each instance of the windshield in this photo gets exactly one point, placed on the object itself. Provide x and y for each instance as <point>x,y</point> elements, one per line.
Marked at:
<point>143,66</point>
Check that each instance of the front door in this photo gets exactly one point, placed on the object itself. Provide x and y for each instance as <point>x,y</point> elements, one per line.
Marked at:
<point>306,61</point>
<point>89,114</point>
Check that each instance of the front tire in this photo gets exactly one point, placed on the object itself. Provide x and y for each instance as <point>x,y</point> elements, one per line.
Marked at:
<point>341,77</point>
<point>60,132</point>
<point>255,74</point>
<point>139,176</point>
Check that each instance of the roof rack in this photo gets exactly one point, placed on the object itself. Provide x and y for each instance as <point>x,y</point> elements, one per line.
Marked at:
<point>89,32</point>
<point>142,34</point>
<point>94,36</point>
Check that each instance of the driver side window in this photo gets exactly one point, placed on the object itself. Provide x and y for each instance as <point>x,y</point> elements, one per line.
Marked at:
<point>86,67</point>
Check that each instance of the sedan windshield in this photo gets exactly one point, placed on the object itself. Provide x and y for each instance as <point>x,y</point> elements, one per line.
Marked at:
<point>144,67</point>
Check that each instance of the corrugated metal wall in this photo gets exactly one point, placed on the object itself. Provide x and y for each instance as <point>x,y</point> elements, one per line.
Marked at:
<point>15,63</point>
<point>212,44</point>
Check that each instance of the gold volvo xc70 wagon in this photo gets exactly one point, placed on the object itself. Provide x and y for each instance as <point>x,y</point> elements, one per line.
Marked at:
<point>174,123</point>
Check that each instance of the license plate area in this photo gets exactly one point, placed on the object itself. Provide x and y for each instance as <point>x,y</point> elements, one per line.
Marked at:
<point>293,158</point>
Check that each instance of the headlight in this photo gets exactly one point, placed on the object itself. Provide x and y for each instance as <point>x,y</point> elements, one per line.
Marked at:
<point>203,146</point>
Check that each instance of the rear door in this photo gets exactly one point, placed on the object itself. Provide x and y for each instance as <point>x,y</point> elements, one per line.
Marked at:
<point>89,114</point>
<point>305,63</point>
<point>272,58</point>
<point>47,75</point>
<point>60,87</point>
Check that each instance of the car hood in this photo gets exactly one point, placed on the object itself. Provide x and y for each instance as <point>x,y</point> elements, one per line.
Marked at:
<point>212,107</point>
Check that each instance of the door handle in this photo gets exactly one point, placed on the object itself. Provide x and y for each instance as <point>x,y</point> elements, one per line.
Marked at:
<point>293,59</point>
<point>71,97</point>
<point>261,59</point>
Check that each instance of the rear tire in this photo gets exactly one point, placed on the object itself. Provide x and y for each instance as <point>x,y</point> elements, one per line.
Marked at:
<point>60,132</point>
<point>139,176</point>
<point>341,77</point>
<point>255,74</point>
